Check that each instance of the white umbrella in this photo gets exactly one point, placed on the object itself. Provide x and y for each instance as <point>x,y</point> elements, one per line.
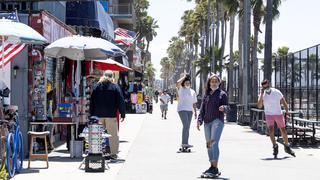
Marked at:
<point>81,48</point>
<point>17,32</point>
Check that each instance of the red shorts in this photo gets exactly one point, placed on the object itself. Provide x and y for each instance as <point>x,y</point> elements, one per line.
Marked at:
<point>271,119</point>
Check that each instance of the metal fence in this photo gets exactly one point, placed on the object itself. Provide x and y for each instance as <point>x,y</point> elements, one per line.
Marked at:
<point>297,76</point>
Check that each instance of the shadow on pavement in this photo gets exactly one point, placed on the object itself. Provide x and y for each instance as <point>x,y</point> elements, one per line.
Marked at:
<point>222,178</point>
<point>277,159</point>
<point>117,161</point>
<point>31,170</point>
<point>64,151</point>
<point>64,159</point>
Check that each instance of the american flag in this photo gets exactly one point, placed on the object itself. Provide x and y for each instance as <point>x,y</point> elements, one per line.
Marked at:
<point>10,51</point>
<point>124,36</point>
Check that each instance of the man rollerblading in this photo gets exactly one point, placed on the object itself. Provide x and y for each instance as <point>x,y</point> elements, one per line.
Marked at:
<point>271,99</point>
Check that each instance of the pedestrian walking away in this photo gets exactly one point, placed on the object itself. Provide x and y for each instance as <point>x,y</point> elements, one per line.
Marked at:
<point>271,99</point>
<point>164,100</point>
<point>156,96</point>
<point>106,100</point>
<point>213,107</point>
<point>186,107</point>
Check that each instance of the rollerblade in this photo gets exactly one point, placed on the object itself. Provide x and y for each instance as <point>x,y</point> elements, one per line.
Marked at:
<point>275,151</point>
<point>288,150</point>
<point>212,172</point>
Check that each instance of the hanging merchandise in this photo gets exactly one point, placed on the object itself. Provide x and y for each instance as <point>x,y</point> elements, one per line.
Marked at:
<point>134,98</point>
<point>39,86</point>
<point>140,97</point>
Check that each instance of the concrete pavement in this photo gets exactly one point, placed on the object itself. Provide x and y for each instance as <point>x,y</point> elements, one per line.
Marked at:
<point>244,154</point>
<point>150,144</point>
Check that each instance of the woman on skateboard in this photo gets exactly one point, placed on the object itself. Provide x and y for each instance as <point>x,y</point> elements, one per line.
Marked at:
<point>186,106</point>
<point>213,107</point>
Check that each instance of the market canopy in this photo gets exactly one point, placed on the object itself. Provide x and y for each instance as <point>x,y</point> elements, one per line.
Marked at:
<point>110,64</point>
<point>82,48</point>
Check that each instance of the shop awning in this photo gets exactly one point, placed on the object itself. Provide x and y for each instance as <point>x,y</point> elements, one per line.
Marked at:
<point>51,27</point>
<point>90,14</point>
<point>110,64</point>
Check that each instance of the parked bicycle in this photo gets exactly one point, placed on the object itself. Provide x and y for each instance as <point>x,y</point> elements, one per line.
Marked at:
<point>14,144</point>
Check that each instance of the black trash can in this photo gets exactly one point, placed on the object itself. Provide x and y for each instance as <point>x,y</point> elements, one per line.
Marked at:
<point>232,114</point>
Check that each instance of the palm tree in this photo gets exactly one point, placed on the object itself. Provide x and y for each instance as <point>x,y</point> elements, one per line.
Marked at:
<point>240,41</point>
<point>150,27</point>
<point>258,13</point>
<point>165,63</point>
<point>190,32</point>
<point>150,72</point>
<point>271,10</point>
<point>232,7</point>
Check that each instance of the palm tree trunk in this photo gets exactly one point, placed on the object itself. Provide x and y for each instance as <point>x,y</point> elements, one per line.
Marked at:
<point>202,74</point>
<point>223,45</point>
<point>254,71</point>
<point>194,82</point>
<point>148,43</point>
<point>231,80</point>
<point>268,42</point>
<point>218,23</point>
<point>254,58</point>
<point>240,85</point>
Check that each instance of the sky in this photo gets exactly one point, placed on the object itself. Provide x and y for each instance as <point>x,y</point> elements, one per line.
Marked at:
<point>297,27</point>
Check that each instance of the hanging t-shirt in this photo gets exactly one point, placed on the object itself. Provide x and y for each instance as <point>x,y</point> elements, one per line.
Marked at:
<point>130,87</point>
<point>187,97</point>
<point>134,98</point>
<point>140,97</point>
<point>271,102</point>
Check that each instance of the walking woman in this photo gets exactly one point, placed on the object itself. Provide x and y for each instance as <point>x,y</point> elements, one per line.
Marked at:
<point>213,107</point>
<point>186,106</point>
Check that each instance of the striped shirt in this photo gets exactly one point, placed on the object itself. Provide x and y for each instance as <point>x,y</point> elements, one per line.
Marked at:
<point>209,110</point>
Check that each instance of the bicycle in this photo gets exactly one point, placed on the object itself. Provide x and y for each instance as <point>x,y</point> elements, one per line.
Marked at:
<point>14,146</point>
<point>3,134</point>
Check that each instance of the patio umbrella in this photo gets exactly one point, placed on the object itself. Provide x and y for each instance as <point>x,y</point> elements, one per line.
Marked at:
<point>15,32</point>
<point>81,48</point>
<point>110,64</point>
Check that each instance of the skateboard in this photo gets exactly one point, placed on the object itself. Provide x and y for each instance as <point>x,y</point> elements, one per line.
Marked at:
<point>210,176</point>
<point>185,149</point>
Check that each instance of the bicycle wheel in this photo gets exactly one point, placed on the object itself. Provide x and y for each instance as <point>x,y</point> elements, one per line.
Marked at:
<point>19,152</point>
<point>10,156</point>
<point>2,151</point>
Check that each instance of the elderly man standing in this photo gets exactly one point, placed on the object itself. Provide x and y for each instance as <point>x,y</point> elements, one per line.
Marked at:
<point>106,100</point>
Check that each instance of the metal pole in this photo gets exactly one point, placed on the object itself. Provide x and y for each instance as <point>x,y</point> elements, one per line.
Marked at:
<point>2,73</point>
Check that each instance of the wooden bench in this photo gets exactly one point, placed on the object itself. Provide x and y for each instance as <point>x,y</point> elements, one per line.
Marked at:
<point>258,120</point>
<point>301,127</point>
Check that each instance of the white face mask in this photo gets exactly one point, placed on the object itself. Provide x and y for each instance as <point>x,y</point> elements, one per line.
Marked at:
<point>188,87</point>
<point>213,88</point>
<point>268,90</point>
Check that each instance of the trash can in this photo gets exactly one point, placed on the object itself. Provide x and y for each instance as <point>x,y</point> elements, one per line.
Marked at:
<point>232,114</point>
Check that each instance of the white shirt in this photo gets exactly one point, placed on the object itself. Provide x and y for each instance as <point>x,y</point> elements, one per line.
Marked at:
<point>165,98</point>
<point>271,102</point>
<point>187,97</point>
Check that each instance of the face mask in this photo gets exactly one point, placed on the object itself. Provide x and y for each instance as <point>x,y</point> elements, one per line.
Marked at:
<point>188,87</point>
<point>268,90</point>
<point>213,88</point>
